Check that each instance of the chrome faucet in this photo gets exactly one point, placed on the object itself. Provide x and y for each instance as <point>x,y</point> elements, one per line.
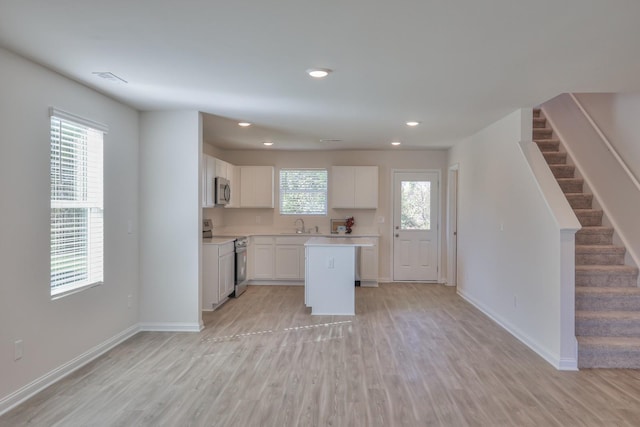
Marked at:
<point>299,230</point>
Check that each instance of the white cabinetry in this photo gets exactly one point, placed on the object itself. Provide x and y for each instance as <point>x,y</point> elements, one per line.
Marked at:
<point>208,181</point>
<point>277,258</point>
<point>217,273</point>
<point>354,187</point>
<point>289,260</point>
<point>369,265</point>
<point>256,186</point>
<point>262,257</point>
<point>226,275</point>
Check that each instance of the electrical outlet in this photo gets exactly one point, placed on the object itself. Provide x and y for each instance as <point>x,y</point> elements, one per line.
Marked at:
<point>515,301</point>
<point>258,219</point>
<point>380,220</point>
<point>129,226</point>
<point>18,350</point>
<point>129,301</point>
<point>331,263</point>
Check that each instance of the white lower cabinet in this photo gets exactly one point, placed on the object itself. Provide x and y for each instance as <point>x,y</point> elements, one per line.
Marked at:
<point>261,258</point>
<point>277,258</point>
<point>217,274</point>
<point>226,274</point>
<point>369,265</point>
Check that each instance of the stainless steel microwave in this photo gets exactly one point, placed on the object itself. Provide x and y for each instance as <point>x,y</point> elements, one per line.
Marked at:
<point>223,191</point>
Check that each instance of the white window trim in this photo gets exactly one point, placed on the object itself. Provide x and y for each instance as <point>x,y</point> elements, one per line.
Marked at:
<point>72,288</point>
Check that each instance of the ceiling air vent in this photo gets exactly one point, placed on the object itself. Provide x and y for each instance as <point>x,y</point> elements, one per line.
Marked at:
<point>109,76</point>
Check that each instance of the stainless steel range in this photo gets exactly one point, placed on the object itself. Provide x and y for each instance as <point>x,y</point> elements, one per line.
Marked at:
<point>241,266</point>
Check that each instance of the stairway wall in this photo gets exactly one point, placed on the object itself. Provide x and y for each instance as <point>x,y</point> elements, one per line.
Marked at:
<point>509,248</point>
<point>607,180</point>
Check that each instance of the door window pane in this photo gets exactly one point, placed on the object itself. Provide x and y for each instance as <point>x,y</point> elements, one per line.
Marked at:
<point>415,205</point>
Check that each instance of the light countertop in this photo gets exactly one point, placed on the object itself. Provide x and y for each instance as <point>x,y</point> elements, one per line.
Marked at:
<point>344,241</point>
<point>218,240</point>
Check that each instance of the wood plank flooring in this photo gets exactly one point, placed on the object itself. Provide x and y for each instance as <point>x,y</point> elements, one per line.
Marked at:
<point>414,355</point>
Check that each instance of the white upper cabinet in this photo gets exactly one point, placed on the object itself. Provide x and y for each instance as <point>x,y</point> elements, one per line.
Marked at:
<point>354,187</point>
<point>208,181</point>
<point>256,186</point>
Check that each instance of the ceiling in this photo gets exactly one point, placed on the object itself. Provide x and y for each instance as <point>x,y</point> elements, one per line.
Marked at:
<point>454,65</point>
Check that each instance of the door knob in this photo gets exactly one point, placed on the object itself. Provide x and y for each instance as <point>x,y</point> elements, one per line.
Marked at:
<point>397,227</point>
<point>397,235</point>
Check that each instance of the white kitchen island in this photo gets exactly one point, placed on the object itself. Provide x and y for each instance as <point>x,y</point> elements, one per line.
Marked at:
<point>329,282</point>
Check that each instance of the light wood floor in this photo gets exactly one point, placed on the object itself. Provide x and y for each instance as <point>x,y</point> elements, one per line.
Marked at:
<point>414,355</point>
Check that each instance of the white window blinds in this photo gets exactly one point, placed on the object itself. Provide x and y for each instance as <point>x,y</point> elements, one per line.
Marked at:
<point>303,191</point>
<point>77,233</point>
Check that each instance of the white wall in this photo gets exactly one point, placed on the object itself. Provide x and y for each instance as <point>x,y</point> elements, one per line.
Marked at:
<point>508,241</point>
<point>366,219</point>
<point>57,332</point>
<point>170,234</point>
<point>616,114</point>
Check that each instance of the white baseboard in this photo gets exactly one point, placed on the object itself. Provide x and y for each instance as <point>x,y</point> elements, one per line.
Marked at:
<point>171,327</point>
<point>555,361</point>
<point>276,283</point>
<point>29,390</point>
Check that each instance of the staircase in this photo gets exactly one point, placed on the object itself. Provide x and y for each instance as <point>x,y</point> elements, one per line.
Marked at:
<point>607,293</point>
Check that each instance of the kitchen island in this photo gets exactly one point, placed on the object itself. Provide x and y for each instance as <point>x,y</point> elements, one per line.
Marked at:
<point>330,269</point>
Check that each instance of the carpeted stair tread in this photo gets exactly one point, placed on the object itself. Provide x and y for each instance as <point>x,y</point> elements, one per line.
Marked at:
<point>562,171</point>
<point>607,323</point>
<point>539,122</point>
<point>542,133</point>
<point>580,200</point>
<point>594,235</point>
<point>608,352</point>
<point>589,217</point>
<point>548,145</point>
<point>536,112</point>
<point>555,157</point>
<point>571,185</point>
<point>600,249</point>
<point>611,299</point>
<point>599,255</point>
<point>606,276</point>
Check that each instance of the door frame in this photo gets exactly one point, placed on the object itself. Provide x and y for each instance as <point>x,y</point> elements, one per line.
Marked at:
<point>453,176</point>
<point>392,221</point>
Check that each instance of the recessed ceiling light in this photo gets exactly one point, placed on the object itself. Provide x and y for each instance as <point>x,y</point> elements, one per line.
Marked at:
<point>318,73</point>
<point>244,124</point>
<point>268,143</point>
<point>396,143</point>
<point>413,123</point>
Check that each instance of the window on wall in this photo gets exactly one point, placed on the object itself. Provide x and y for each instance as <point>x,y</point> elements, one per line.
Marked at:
<point>303,191</point>
<point>77,232</point>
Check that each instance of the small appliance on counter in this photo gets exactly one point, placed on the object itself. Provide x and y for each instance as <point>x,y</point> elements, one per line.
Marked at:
<point>207,227</point>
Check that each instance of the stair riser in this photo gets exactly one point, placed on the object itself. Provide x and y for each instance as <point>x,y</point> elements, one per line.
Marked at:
<point>548,146</point>
<point>563,171</point>
<point>604,280</point>
<point>607,302</point>
<point>599,259</point>
<point>539,122</point>
<point>555,158</point>
<point>611,358</point>
<point>607,328</point>
<point>542,133</point>
<point>581,202</point>
<point>590,220</point>
<point>536,112</point>
<point>594,239</point>
<point>572,186</point>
